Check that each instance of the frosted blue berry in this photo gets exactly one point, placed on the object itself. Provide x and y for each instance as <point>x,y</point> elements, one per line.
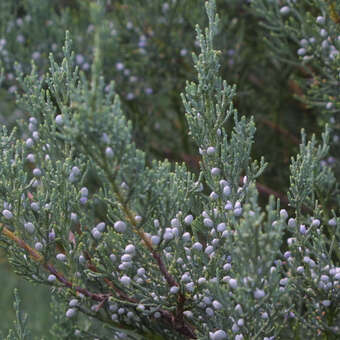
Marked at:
<point>138,219</point>
<point>221,227</point>
<point>126,258</point>
<point>304,42</point>
<point>329,105</point>
<point>155,239</point>
<point>109,152</point>
<point>61,257</point>
<point>74,217</point>
<point>168,235</point>
<point>185,277</point>
<point>225,234</point>
<point>235,328</point>
<point>188,314</point>
<point>238,211</point>
<point>51,278</point>
<point>125,280</point>
<point>84,192</point>
<point>71,312</point>
<point>75,170</point>
<point>219,335</point>
<point>326,303</point>
<point>226,190</point>
<point>223,183</point>
<point>320,20</point>
<point>332,222</point>
<point>264,315</point>
<point>38,246</point>
<point>300,269</point>
<point>284,10</point>
<point>197,246</point>
<point>101,226</point>
<point>188,219</point>
<point>240,322</point>
<point>303,229</point>
<point>315,222</point>
<point>96,233</point>
<point>283,214</point>
<point>120,226</point>
<point>175,222</point>
<point>228,206</point>
<point>209,311</point>
<point>59,120</point>
<point>73,303</point>
<point>7,214</point>
<point>324,278</point>
<point>140,308</point>
<point>292,223</point>
<point>35,206</point>
<point>201,280</point>
<point>211,150</point>
<point>325,45</point>
<point>323,33</point>
<point>82,259</point>
<point>33,120</point>
<point>31,157</point>
<point>208,222</point>
<point>215,171</point>
<point>284,281</point>
<point>130,249</point>
<point>174,290</point>
<point>233,283</point>
<point>29,142</point>
<point>227,267</point>
<point>51,235</point>
<point>140,271</point>
<point>217,305</point>
<point>186,237</point>
<point>213,196</point>
<point>36,172</point>
<point>157,315</point>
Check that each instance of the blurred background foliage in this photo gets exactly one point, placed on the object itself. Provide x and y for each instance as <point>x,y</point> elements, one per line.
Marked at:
<point>146,49</point>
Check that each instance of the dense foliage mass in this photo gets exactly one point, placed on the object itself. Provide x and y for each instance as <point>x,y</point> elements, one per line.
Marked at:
<point>134,245</point>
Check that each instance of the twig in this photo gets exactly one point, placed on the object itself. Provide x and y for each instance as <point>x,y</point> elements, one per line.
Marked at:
<point>281,130</point>
<point>37,257</point>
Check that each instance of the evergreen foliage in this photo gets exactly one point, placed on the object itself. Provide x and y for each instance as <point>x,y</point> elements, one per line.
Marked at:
<point>133,246</point>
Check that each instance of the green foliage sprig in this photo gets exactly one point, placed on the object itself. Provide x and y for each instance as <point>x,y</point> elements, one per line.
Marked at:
<point>148,250</point>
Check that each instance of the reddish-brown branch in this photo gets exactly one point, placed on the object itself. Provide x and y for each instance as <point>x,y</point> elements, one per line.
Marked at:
<point>147,241</point>
<point>280,130</point>
<point>176,320</point>
<point>268,191</point>
<point>110,283</point>
<point>37,257</point>
<point>178,323</point>
<point>169,278</point>
<point>68,284</point>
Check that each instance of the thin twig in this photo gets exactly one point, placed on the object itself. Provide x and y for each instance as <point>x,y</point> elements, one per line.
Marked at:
<point>280,130</point>
<point>37,257</point>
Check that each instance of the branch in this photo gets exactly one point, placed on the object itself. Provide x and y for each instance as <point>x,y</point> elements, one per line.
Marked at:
<point>181,327</point>
<point>37,257</point>
<point>280,130</point>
